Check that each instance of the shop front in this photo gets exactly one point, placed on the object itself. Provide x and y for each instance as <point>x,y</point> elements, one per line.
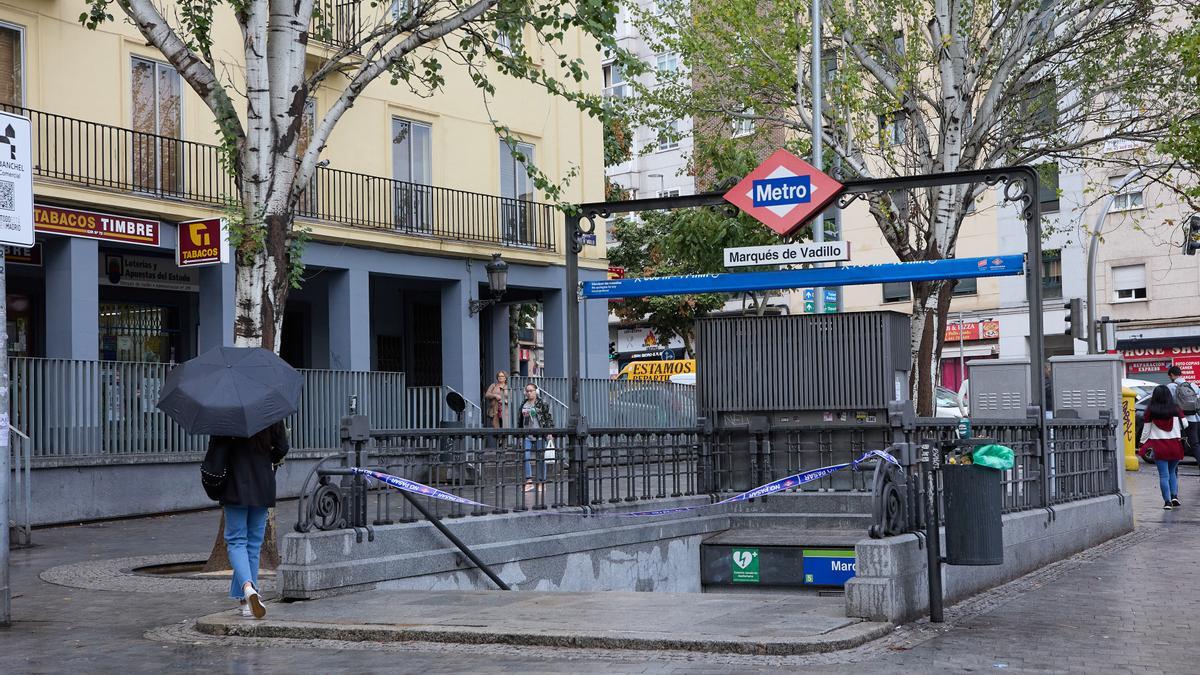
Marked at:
<point>1150,362</point>
<point>967,340</point>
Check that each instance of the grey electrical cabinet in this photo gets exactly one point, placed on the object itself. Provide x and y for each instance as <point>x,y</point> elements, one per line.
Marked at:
<point>1087,384</point>
<point>999,388</point>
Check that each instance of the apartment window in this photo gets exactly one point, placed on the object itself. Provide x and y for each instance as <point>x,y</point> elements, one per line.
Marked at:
<point>898,42</point>
<point>674,192</point>
<point>516,192</point>
<point>1129,283</point>
<point>12,90</point>
<point>966,287</point>
<point>614,82</point>
<point>897,291</point>
<point>1129,199</point>
<point>504,42</point>
<point>401,8</point>
<point>1040,107</point>
<point>743,126</point>
<point>668,136</point>
<point>308,122</point>
<point>412,167</point>
<point>667,64</point>
<point>1048,187</point>
<point>157,121</point>
<point>891,129</point>
<point>1052,273</point>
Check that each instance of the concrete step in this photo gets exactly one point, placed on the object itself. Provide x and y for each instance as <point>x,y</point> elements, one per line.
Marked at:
<point>815,502</point>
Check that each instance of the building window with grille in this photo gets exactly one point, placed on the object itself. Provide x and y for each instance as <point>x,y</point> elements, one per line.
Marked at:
<point>412,168</point>
<point>157,123</point>
<point>1052,273</point>
<point>516,193</point>
<point>1129,283</point>
<point>1129,199</point>
<point>897,291</point>
<point>12,65</point>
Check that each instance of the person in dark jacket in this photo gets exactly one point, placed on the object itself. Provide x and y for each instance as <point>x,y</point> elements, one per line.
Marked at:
<point>534,414</point>
<point>249,491</point>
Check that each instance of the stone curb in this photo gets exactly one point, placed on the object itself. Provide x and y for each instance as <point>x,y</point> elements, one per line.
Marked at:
<point>847,637</point>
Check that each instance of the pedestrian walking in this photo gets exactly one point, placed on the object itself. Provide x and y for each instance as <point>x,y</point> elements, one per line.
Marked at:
<point>240,474</point>
<point>1187,397</point>
<point>534,414</point>
<point>1162,435</point>
<point>497,400</point>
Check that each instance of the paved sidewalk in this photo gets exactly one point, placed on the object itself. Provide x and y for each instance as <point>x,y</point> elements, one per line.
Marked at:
<point>1126,606</point>
<point>750,623</point>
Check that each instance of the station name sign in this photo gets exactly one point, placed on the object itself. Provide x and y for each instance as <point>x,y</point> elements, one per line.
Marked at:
<point>787,254</point>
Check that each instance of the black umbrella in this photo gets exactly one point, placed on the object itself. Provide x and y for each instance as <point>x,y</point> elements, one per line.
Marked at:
<point>231,391</point>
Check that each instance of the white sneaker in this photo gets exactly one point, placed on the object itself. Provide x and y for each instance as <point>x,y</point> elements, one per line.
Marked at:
<point>255,604</point>
<point>243,610</point>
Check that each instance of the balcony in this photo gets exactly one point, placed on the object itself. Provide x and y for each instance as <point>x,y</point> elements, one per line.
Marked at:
<point>113,158</point>
<point>336,23</point>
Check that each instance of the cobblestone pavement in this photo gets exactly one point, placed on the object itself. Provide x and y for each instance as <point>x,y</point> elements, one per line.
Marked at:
<point>1125,606</point>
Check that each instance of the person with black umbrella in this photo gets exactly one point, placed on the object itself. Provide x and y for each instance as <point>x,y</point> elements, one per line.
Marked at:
<point>239,397</point>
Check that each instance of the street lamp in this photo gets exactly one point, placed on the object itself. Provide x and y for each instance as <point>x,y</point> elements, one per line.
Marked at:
<point>497,273</point>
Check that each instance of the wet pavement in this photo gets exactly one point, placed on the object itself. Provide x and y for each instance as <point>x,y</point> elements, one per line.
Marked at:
<point>1126,606</point>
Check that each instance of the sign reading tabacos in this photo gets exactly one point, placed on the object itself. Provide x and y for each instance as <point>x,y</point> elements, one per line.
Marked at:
<point>202,242</point>
<point>75,223</point>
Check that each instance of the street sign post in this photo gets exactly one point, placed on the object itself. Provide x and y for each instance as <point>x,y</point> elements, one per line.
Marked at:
<point>16,229</point>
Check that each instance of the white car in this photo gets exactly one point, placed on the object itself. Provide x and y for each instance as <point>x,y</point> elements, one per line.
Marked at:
<point>949,404</point>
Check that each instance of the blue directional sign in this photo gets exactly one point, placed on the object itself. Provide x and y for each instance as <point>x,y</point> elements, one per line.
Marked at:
<point>828,567</point>
<point>956,268</point>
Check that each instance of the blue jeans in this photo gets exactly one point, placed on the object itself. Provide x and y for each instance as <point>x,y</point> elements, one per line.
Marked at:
<point>535,455</point>
<point>244,529</point>
<point>1168,478</point>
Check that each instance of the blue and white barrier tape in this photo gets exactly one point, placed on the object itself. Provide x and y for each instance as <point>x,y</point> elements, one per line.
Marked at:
<point>788,483</point>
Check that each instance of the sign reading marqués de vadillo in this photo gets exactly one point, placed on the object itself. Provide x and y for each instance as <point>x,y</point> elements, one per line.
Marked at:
<point>787,254</point>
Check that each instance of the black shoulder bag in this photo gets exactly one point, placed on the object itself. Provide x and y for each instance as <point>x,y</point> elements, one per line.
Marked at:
<point>214,470</point>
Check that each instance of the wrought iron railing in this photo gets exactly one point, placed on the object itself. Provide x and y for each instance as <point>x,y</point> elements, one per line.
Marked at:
<point>115,158</point>
<point>336,23</point>
<point>626,404</point>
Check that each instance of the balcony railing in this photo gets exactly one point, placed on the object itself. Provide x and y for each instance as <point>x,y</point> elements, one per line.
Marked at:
<point>115,158</point>
<point>336,23</point>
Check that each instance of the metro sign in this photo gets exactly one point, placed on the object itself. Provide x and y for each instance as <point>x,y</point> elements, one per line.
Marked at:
<point>784,192</point>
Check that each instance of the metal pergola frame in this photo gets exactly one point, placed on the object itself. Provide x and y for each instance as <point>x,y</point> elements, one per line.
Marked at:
<point>1020,186</point>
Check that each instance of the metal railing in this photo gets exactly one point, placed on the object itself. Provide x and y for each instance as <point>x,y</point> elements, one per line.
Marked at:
<point>626,404</point>
<point>20,493</point>
<point>336,23</point>
<point>115,158</point>
<point>100,408</point>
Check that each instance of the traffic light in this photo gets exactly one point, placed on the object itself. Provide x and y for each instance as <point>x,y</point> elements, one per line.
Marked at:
<point>1191,240</point>
<point>612,351</point>
<point>1076,323</point>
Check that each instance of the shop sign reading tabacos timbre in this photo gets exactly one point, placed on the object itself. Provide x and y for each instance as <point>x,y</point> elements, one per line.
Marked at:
<point>91,225</point>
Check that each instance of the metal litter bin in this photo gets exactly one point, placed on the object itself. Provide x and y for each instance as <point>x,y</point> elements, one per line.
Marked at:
<point>974,530</point>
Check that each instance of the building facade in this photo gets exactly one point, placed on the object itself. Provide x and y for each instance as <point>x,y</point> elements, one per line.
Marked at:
<point>416,196</point>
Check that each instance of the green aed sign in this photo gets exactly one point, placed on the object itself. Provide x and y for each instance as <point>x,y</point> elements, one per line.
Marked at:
<point>745,565</point>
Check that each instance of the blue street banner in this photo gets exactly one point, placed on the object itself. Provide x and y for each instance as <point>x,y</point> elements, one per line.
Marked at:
<point>828,567</point>
<point>771,488</point>
<point>930,270</point>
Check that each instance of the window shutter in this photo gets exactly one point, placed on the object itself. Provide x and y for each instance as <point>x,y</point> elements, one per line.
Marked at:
<point>10,66</point>
<point>1129,277</point>
<point>508,180</point>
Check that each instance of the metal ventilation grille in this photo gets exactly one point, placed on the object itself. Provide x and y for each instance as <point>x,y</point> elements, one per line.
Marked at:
<point>802,362</point>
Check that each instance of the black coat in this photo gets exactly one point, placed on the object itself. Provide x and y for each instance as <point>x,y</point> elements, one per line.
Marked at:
<point>248,464</point>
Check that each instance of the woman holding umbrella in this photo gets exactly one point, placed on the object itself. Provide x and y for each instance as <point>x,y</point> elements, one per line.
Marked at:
<point>248,493</point>
<point>238,397</point>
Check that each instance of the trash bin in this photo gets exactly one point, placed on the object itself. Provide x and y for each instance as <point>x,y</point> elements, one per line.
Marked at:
<point>974,531</point>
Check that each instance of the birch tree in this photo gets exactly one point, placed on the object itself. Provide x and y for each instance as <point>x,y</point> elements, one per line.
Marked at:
<point>925,86</point>
<point>259,109</point>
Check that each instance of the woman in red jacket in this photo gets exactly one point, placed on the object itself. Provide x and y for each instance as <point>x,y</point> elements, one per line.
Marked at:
<point>1162,434</point>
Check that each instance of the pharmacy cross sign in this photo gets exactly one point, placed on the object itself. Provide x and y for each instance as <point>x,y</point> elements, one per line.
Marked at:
<point>784,192</point>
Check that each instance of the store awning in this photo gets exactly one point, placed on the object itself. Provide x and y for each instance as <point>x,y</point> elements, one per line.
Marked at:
<point>1159,342</point>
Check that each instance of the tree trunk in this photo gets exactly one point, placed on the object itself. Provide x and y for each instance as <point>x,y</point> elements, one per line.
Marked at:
<point>931,304</point>
<point>218,559</point>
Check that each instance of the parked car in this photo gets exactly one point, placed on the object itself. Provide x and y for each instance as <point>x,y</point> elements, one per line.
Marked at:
<point>949,404</point>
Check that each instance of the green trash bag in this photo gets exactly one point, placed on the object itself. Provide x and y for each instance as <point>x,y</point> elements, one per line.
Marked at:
<point>994,457</point>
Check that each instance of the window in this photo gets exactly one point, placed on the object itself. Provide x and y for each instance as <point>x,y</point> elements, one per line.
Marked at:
<point>1128,199</point>
<point>897,291</point>
<point>12,90</point>
<point>743,126</point>
<point>898,42</point>
<point>966,287</point>
<point>667,64</point>
<point>1052,273</point>
<point>157,120</point>
<point>504,42</point>
<point>1129,283</point>
<point>1048,187</point>
<point>668,136</point>
<point>308,122</point>
<point>891,129</point>
<point>516,192</point>
<point>1039,109</point>
<point>412,168</point>
<point>614,82</point>
<point>673,192</point>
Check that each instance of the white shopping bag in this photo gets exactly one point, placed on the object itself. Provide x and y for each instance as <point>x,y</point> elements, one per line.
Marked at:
<point>549,455</point>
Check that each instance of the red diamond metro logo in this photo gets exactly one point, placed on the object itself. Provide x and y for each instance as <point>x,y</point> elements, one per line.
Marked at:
<point>784,192</point>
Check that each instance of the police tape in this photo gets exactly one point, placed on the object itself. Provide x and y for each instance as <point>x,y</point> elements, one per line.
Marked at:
<point>790,482</point>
